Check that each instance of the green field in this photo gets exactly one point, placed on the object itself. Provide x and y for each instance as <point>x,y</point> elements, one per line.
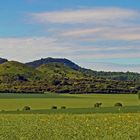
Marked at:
<point>70,127</point>
<point>83,103</point>
<point>79,121</point>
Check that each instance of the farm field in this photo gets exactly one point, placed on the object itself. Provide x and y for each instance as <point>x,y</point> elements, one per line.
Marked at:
<point>70,127</point>
<point>12,102</point>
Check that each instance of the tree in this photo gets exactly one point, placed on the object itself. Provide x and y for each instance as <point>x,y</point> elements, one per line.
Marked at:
<point>97,104</point>
<point>118,104</point>
<point>26,108</point>
<point>54,107</point>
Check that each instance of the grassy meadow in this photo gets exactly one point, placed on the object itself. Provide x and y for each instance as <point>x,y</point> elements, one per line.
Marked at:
<point>12,102</point>
<point>80,120</point>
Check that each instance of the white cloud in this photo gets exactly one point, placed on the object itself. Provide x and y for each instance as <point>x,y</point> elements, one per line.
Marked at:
<point>129,33</point>
<point>84,15</point>
<point>110,23</point>
<point>25,49</point>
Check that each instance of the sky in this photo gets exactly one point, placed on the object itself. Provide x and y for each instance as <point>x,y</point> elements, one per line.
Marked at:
<point>96,34</point>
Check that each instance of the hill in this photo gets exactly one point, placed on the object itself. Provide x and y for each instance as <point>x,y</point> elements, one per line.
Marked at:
<point>48,60</point>
<point>2,60</point>
<point>17,77</point>
<point>62,76</point>
<point>57,70</point>
<point>122,76</point>
<point>12,71</point>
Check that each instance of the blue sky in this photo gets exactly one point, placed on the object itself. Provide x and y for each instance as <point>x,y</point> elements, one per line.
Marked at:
<point>88,32</point>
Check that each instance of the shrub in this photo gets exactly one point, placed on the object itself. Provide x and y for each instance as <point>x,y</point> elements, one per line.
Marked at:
<point>63,107</point>
<point>26,108</point>
<point>54,107</point>
<point>97,104</point>
<point>118,104</point>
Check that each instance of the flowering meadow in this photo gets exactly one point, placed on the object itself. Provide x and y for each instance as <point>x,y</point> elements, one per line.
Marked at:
<point>70,127</point>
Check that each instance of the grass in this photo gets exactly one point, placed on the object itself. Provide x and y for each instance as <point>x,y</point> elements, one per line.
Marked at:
<point>70,127</point>
<point>127,109</point>
<point>13,102</point>
<point>79,121</point>
<point>31,95</point>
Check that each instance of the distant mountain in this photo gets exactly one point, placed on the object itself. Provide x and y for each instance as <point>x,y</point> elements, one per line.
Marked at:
<point>48,60</point>
<point>2,60</point>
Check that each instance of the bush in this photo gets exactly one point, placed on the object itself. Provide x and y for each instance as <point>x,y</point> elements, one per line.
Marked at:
<point>63,107</point>
<point>97,104</point>
<point>118,104</point>
<point>54,107</point>
<point>26,108</point>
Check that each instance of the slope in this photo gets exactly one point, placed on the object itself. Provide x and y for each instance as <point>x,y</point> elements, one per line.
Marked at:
<point>13,71</point>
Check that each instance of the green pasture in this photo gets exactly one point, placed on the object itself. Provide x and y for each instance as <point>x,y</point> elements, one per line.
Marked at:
<point>12,102</point>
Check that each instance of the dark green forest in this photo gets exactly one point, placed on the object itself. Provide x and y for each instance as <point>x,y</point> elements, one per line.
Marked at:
<point>63,76</point>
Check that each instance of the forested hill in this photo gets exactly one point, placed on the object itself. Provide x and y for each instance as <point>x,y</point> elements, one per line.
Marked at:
<point>63,76</point>
<point>123,76</point>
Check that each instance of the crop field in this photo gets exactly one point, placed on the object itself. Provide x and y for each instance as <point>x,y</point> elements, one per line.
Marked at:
<point>70,127</point>
<point>12,102</point>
